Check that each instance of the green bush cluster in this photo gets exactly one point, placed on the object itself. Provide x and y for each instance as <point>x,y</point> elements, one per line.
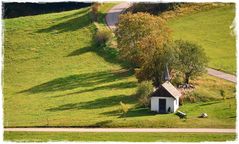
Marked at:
<point>143,92</point>
<point>102,37</point>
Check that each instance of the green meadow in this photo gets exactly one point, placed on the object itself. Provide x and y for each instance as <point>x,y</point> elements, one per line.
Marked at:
<point>211,30</point>
<point>54,75</point>
<point>126,137</point>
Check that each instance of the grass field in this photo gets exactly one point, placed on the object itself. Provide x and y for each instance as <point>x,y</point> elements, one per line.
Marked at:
<point>55,76</point>
<point>210,29</point>
<point>129,137</point>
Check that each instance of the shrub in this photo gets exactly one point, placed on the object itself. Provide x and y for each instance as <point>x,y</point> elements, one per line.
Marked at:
<point>94,11</point>
<point>144,90</point>
<point>124,108</point>
<point>102,37</point>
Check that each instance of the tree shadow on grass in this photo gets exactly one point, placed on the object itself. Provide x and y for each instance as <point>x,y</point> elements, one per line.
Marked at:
<point>69,25</point>
<point>95,104</point>
<point>140,111</point>
<point>80,51</point>
<point>83,10</point>
<point>114,86</point>
<point>84,80</point>
<point>109,54</point>
<point>135,112</point>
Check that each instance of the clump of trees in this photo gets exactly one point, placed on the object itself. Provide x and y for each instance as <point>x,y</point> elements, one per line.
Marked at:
<point>146,42</point>
<point>153,8</point>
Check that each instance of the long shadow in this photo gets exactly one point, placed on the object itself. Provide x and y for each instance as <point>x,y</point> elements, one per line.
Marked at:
<point>121,85</point>
<point>69,25</point>
<point>135,112</point>
<point>74,14</point>
<point>109,54</point>
<point>80,51</point>
<point>82,80</point>
<point>95,104</point>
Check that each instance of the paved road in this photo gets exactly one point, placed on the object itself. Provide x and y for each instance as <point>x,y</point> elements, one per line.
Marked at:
<point>222,75</point>
<point>112,20</point>
<point>177,130</point>
<point>113,14</point>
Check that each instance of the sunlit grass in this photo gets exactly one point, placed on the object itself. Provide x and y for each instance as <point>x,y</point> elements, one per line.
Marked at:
<point>55,76</point>
<point>126,137</point>
<point>210,29</point>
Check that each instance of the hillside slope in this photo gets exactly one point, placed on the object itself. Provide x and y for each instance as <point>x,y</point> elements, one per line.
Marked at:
<point>210,29</point>
<point>50,67</point>
<point>55,76</point>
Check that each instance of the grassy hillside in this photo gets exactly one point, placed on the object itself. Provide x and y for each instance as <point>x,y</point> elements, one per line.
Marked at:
<point>55,76</point>
<point>210,29</point>
<point>49,61</point>
<point>127,137</point>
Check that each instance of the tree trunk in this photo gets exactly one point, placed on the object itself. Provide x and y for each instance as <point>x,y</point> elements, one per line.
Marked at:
<point>187,78</point>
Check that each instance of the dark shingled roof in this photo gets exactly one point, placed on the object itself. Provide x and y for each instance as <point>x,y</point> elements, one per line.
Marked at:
<point>166,90</point>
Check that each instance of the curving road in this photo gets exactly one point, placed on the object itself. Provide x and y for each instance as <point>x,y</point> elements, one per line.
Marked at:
<point>112,20</point>
<point>113,14</point>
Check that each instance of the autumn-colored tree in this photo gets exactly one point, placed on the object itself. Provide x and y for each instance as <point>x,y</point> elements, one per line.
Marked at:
<point>192,59</point>
<point>157,55</point>
<point>133,32</point>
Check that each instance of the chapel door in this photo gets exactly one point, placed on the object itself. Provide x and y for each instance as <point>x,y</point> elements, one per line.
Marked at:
<point>162,105</point>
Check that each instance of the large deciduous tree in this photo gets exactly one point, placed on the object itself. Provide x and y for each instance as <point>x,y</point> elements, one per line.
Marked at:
<point>134,30</point>
<point>157,54</point>
<point>192,59</point>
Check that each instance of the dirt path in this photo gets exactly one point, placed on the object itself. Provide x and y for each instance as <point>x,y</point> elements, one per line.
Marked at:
<point>181,130</point>
<point>112,19</point>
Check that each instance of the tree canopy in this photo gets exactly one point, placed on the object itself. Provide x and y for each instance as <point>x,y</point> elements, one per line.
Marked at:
<point>156,56</point>
<point>132,32</point>
<point>192,59</point>
<point>145,41</point>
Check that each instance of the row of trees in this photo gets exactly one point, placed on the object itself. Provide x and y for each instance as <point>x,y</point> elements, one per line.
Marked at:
<point>146,42</point>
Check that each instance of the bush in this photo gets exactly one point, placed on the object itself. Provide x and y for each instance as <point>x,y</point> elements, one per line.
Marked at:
<point>94,11</point>
<point>102,37</point>
<point>124,108</point>
<point>144,90</point>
